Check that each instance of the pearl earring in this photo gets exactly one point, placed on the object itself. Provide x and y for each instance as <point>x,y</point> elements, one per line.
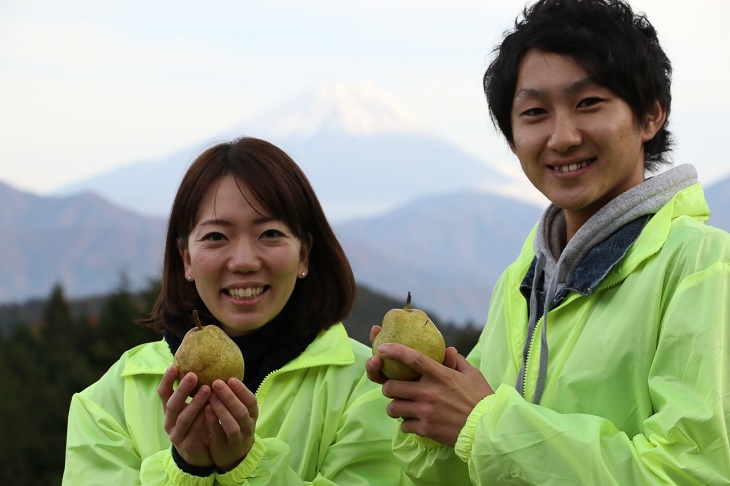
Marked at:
<point>190,277</point>
<point>304,274</point>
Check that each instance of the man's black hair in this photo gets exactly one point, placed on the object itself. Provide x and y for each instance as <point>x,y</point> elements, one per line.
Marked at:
<point>617,48</point>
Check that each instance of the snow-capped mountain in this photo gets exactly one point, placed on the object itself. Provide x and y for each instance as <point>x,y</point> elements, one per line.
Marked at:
<point>358,110</point>
<point>362,153</point>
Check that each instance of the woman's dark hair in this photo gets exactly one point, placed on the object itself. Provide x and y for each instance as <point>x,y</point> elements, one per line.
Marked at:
<point>318,301</point>
<point>617,48</point>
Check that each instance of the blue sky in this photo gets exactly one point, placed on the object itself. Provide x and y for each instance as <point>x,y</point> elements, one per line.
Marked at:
<point>86,86</point>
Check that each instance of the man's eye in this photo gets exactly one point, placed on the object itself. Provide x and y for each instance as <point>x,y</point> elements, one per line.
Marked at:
<point>534,112</point>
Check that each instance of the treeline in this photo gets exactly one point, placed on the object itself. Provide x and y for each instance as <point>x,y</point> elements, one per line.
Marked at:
<point>57,347</point>
<point>43,362</point>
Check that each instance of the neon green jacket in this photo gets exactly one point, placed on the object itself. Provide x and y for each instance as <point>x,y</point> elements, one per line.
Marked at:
<point>320,422</point>
<point>638,381</point>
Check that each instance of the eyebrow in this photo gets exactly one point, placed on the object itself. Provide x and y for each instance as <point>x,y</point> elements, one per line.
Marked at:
<point>538,93</point>
<point>225,222</point>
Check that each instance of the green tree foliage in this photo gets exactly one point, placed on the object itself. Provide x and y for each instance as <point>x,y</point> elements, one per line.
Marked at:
<point>43,364</point>
<point>55,348</point>
<point>115,333</point>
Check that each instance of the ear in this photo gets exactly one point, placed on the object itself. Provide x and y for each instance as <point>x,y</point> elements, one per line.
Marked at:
<point>654,122</point>
<point>185,254</point>
<point>304,250</point>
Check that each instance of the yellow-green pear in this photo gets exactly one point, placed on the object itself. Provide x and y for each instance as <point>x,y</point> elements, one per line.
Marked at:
<point>413,328</point>
<point>208,352</point>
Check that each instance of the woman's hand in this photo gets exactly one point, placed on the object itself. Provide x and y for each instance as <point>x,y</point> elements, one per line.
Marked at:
<point>230,418</point>
<point>185,423</point>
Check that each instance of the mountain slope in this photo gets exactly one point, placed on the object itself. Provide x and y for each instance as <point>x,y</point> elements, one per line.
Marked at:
<point>362,153</point>
<point>448,250</point>
<point>83,242</point>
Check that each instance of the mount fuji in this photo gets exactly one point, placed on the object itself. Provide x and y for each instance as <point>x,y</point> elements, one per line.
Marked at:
<point>363,154</point>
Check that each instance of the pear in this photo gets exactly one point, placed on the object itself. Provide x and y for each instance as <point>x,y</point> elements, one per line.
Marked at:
<point>208,352</point>
<point>413,328</point>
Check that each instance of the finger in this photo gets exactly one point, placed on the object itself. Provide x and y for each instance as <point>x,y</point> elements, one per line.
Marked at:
<point>373,368</point>
<point>227,418</point>
<point>450,358</point>
<point>180,424</point>
<point>463,366</point>
<point>405,409</point>
<point>246,396</point>
<point>408,356</point>
<point>176,402</point>
<point>403,390</point>
<point>186,386</point>
<point>374,332</point>
<point>216,434</point>
<point>394,410</point>
<point>412,426</point>
<point>230,410</point>
<point>165,388</point>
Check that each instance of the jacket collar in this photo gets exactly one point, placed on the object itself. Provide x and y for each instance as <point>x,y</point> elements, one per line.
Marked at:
<point>652,235</point>
<point>596,265</point>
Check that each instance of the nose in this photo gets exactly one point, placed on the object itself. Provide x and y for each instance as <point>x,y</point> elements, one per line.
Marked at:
<point>565,133</point>
<point>244,256</point>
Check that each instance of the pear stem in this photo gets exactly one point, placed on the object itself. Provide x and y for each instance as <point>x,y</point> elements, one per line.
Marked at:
<point>197,319</point>
<point>408,307</point>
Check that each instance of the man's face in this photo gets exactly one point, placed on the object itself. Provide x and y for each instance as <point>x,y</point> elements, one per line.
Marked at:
<point>578,142</point>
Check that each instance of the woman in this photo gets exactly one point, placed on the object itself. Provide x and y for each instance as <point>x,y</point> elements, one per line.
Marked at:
<point>248,247</point>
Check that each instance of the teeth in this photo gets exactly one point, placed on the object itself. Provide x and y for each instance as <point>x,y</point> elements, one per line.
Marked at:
<point>571,167</point>
<point>245,293</point>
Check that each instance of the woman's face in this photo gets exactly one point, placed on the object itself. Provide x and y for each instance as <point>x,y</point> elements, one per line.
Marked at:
<point>244,263</point>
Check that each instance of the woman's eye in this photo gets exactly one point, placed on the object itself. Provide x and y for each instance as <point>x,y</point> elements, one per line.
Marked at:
<point>215,236</point>
<point>272,233</point>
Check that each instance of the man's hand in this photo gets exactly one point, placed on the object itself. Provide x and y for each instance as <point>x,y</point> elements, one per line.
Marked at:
<point>436,405</point>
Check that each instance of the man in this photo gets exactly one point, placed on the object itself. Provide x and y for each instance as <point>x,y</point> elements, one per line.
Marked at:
<point>606,354</point>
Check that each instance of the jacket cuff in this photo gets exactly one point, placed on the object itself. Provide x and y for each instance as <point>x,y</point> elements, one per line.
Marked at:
<point>245,468</point>
<point>200,471</point>
<point>465,441</point>
<point>178,476</point>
